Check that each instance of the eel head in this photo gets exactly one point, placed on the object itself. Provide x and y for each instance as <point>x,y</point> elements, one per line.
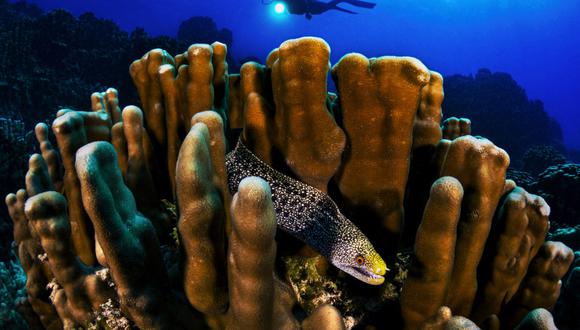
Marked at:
<point>360,260</point>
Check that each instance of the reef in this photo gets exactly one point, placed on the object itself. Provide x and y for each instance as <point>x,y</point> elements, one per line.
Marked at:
<point>560,186</point>
<point>12,293</point>
<point>501,111</point>
<point>14,145</point>
<point>51,60</point>
<point>203,30</point>
<point>126,218</point>
<point>569,302</point>
<point>538,158</point>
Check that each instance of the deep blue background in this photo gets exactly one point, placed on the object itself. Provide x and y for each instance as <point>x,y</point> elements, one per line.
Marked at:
<point>536,41</point>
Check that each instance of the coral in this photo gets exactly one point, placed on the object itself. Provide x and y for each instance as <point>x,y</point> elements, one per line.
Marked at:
<point>455,127</point>
<point>541,285</point>
<point>569,236</point>
<point>204,30</point>
<point>311,216</point>
<point>14,142</point>
<point>128,241</point>
<point>315,285</point>
<point>29,252</point>
<point>569,302</point>
<point>539,318</point>
<point>477,239</point>
<point>501,111</point>
<point>574,155</point>
<point>12,282</point>
<point>39,75</point>
<point>560,186</point>
<point>522,178</point>
<point>375,163</point>
<point>538,158</point>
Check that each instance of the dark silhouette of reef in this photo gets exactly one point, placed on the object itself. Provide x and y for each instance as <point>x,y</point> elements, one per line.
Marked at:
<point>203,30</point>
<point>560,186</point>
<point>546,172</point>
<point>14,146</point>
<point>500,110</point>
<point>54,60</point>
<point>539,157</point>
<point>574,155</point>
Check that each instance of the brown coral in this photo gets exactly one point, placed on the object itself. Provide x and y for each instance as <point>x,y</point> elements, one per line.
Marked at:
<point>477,239</point>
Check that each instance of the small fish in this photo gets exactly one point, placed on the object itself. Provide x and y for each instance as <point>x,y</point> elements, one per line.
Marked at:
<point>311,216</point>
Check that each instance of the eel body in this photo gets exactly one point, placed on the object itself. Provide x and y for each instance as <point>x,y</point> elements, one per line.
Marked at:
<point>311,216</point>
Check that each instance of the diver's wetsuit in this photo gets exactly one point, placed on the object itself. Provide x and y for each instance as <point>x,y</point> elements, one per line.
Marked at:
<point>315,7</point>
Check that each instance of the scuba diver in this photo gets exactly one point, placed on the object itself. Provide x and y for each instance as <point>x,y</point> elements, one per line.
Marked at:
<point>315,7</point>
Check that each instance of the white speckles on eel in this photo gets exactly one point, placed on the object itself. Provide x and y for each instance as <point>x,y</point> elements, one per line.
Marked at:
<point>311,216</point>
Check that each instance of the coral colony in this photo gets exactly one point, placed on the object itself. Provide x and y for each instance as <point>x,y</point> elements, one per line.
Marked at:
<point>133,218</point>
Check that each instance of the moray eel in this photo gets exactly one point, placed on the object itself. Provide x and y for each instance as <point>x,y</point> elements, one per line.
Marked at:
<point>311,216</point>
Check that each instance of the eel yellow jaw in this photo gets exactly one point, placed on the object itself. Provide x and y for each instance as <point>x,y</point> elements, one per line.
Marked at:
<point>371,272</point>
<point>373,277</point>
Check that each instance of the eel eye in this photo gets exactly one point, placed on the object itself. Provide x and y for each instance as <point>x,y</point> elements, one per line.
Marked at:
<point>360,260</point>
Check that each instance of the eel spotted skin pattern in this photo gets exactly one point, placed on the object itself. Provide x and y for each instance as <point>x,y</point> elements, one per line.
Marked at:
<point>311,216</point>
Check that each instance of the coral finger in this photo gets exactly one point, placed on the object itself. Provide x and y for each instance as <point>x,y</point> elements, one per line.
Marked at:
<point>379,98</point>
<point>197,81</point>
<point>541,285</point>
<point>426,286</point>
<point>47,213</point>
<point>251,256</point>
<point>120,143</point>
<point>426,128</point>
<point>426,135</point>
<point>37,177</point>
<point>235,102</point>
<point>15,205</point>
<point>97,102</point>
<point>324,317</point>
<point>220,78</point>
<point>480,166</point>
<point>518,234</point>
<point>50,155</point>
<point>173,119</point>
<point>109,203</point>
<point>257,129</point>
<point>201,215</point>
<point>144,73</point>
<point>70,133</point>
<point>112,105</point>
<point>306,134</point>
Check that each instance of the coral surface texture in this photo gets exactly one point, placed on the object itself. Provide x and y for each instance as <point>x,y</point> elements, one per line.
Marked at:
<point>152,216</point>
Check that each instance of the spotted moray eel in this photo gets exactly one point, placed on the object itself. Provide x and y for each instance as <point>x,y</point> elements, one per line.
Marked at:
<point>311,216</point>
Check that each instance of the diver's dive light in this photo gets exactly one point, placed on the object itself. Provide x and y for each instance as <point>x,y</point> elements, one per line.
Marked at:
<point>280,7</point>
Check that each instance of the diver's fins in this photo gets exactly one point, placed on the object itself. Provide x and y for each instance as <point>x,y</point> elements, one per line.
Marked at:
<point>357,3</point>
<point>344,10</point>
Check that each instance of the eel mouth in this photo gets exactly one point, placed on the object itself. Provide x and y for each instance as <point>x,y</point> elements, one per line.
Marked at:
<point>366,275</point>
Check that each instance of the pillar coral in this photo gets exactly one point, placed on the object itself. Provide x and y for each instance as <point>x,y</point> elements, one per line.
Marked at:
<point>376,147</point>
<point>379,99</point>
<point>29,252</point>
<point>454,127</point>
<point>288,124</point>
<point>426,135</point>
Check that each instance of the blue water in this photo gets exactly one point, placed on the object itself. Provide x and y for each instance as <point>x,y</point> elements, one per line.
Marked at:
<point>536,41</point>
